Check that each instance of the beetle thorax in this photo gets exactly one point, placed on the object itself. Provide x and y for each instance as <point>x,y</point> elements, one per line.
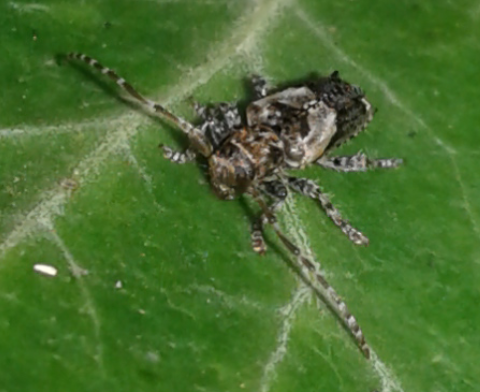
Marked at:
<point>246,158</point>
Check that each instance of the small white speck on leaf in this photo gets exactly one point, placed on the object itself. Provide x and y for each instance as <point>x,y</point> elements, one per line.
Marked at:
<point>45,269</point>
<point>152,356</point>
<point>77,271</point>
<point>118,284</point>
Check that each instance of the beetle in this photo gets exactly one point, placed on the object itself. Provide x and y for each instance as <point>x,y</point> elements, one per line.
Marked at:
<point>285,128</point>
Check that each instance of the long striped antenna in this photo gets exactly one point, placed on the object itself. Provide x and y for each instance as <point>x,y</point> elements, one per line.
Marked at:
<point>321,286</point>
<point>311,274</point>
<point>195,135</point>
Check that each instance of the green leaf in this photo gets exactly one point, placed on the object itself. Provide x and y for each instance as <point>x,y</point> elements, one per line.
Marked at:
<point>157,286</point>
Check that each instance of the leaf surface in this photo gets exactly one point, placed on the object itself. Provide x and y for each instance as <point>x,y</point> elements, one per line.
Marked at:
<point>157,286</point>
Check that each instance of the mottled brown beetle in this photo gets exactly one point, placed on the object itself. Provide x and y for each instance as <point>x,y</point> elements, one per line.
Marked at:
<point>287,128</point>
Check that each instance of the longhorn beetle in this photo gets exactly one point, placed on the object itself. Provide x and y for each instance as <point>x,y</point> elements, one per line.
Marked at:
<point>285,128</point>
